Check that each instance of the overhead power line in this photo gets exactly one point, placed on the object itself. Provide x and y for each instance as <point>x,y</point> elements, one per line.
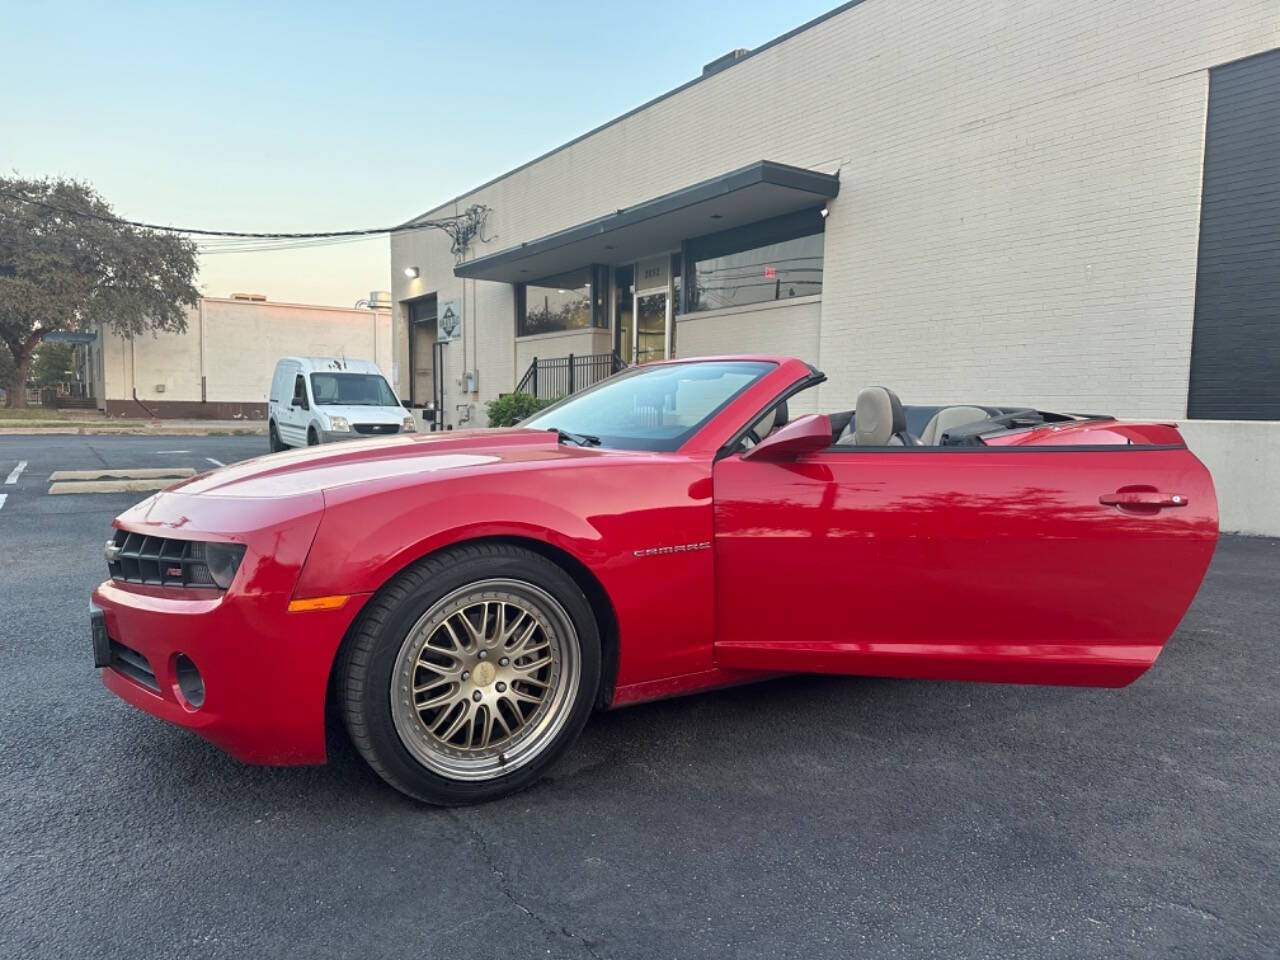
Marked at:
<point>461,228</point>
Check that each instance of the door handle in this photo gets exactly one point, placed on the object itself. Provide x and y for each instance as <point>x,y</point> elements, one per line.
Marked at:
<point>1142,498</point>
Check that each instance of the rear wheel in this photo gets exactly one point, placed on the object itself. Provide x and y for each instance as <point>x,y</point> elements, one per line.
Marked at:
<point>470,673</point>
<point>273,438</point>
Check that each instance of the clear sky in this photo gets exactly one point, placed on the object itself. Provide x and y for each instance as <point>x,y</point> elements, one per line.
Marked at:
<point>323,116</point>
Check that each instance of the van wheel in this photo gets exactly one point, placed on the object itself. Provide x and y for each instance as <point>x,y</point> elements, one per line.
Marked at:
<point>273,438</point>
<point>313,438</point>
<point>470,673</point>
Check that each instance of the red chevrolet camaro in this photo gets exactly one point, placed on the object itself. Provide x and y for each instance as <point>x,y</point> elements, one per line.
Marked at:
<point>464,600</point>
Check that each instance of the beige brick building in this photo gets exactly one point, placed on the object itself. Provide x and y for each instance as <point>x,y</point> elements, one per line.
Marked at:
<point>962,201</point>
<point>221,367</point>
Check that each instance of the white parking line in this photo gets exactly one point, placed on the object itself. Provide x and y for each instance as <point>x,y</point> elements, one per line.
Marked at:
<point>216,463</point>
<point>159,452</point>
<point>16,472</point>
<point>3,498</point>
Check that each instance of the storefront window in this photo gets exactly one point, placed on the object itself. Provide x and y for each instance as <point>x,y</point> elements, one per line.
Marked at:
<point>774,260</point>
<point>569,301</point>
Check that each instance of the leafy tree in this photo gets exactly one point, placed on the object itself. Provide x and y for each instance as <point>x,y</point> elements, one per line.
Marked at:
<point>7,369</point>
<point>51,363</point>
<point>67,263</point>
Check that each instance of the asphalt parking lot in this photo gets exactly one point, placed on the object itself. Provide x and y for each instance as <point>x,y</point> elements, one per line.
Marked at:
<point>807,817</point>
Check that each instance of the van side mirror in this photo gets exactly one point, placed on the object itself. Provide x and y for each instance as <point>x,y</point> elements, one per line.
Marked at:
<point>807,434</point>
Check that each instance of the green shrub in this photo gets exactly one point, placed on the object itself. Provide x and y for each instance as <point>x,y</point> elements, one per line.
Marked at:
<point>510,408</point>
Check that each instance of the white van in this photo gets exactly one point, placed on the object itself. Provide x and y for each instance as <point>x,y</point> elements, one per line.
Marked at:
<point>320,399</point>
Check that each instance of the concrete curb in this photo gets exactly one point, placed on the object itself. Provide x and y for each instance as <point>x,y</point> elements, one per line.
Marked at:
<point>134,431</point>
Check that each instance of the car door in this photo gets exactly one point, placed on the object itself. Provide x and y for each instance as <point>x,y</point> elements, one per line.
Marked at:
<point>996,563</point>
<point>296,416</point>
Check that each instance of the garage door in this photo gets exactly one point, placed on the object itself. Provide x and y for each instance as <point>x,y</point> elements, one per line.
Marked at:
<point>1235,350</point>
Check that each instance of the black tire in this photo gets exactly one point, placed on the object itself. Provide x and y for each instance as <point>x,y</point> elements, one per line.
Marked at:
<point>367,666</point>
<point>313,438</point>
<point>273,438</point>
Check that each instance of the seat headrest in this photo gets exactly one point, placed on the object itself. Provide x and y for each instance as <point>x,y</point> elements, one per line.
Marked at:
<point>949,417</point>
<point>878,417</point>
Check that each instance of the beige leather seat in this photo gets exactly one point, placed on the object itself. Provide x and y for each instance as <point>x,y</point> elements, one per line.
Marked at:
<point>878,420</point>
<point>947,418</point>
<point>773,419</point>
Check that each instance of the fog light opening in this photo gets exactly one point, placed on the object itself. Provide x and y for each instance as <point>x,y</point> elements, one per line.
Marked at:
<point>190,685</point>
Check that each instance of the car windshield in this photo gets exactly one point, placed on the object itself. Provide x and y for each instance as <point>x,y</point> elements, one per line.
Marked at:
<point>650,408</point>
<point>351,389</point>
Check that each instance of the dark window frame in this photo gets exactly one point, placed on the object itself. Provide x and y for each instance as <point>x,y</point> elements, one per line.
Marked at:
<point>751,236</point>
<point>598,302</point>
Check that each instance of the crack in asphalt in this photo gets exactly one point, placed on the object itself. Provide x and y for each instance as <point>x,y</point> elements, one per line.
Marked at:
<point>504,888</point>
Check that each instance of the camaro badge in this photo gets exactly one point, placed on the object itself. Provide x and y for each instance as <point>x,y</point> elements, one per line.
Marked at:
<point>678,548</point>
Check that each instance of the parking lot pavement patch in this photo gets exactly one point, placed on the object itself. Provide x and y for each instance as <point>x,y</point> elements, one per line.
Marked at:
<point>126,473</point>
<point>111,486</point>
<point>110,480</point>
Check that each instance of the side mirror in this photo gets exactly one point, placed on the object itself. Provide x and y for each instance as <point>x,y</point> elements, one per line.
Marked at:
<point>808,434</point>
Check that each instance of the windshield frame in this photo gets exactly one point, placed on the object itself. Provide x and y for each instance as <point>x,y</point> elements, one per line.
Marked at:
<point>545,420</point>
<point>315,396</point>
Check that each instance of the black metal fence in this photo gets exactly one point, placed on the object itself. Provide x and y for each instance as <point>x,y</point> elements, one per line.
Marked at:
<point>549,377</point>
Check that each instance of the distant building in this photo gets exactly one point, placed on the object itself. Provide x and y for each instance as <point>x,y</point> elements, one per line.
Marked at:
<point>220,368</point>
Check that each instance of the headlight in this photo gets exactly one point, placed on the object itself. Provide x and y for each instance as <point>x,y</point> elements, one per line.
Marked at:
<point>223,560</point>
<point>409,425</point>
<point>339,425</point>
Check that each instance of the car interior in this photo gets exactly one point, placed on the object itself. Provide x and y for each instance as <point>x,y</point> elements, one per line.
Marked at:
<point>880,419</point>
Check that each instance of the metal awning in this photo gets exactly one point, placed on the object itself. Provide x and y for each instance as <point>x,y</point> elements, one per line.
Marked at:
<point>755,192</point>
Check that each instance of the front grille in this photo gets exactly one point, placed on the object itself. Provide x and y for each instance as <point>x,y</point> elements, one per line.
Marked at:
<point>160,561</point>
<point>376,428</point>
<point>133,665</point>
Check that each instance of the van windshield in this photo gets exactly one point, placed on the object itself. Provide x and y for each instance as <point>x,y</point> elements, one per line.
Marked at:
<point>351,390</point>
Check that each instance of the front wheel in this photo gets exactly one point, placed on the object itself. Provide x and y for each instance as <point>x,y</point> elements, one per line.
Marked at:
<point>470,673</point>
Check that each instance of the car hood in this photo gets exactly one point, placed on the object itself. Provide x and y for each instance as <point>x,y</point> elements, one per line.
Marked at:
<point>424,455</point>
<point>357,413</point>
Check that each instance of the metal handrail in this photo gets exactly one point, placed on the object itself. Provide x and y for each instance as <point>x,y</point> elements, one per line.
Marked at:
<point>550,377</point>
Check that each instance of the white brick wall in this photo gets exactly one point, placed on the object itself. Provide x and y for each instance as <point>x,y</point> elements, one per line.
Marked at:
<point>1019,200</point>
<point>238,351</point>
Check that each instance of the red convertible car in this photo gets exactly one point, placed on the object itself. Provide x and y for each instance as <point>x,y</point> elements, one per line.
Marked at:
<point>465,600</point>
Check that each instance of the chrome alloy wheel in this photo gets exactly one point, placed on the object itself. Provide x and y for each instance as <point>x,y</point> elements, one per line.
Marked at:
<point>484,680</point>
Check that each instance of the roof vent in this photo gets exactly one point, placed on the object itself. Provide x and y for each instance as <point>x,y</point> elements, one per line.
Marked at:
<point>728,60</point>
<point>250,297</point>
<point>379,299</point>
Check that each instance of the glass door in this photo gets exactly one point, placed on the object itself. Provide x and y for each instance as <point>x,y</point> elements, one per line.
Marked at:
<point>653,309</point>
<point>651,326</point>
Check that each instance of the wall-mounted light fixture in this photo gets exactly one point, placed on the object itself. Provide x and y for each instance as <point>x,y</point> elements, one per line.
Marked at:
<point>412,272</point>
<point>823,213</point>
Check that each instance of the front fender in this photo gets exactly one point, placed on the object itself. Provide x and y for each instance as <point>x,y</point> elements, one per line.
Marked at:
<point>643,529</point>
<point>362,544</point>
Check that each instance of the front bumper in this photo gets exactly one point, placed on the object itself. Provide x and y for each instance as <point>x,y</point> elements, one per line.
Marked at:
<point>265,671</point>
<point>330,436</point>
